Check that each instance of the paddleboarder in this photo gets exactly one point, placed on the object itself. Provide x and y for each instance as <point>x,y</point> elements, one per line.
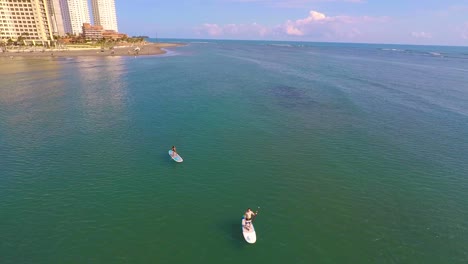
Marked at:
<point>249,214</point>
<point>174,152</point>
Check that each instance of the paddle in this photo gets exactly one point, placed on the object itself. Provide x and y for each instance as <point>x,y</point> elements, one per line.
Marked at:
<point>258,207</point>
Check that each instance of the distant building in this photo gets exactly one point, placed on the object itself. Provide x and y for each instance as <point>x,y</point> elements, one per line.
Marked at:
<point>91,32</point>
<point>26,20</point>
<point>111,34</point>
<point>96,32</point>
<point>75,13</point>
<point>104,14</point>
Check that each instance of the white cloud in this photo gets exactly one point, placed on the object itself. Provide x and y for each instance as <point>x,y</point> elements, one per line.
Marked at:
<point>292,30</point>
<point>422,35</point>
<point>316,26</point>
<point>213,29</point>
<point>313,16</point>
<point>322,27</point>
<point>299,27</point>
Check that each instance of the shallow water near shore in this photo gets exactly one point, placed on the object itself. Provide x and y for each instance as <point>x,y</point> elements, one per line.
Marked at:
<point>354,153</point>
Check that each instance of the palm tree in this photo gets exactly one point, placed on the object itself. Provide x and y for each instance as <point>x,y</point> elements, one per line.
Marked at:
<point>20,40</point>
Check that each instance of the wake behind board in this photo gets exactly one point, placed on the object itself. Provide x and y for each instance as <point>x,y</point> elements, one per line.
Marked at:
<point>249,234</point>
<point>175,157</point>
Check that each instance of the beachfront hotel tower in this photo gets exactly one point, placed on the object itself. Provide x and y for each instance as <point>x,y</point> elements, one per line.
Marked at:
<point>75,13</point>
<point>104,14</point>
<point>25,20</point>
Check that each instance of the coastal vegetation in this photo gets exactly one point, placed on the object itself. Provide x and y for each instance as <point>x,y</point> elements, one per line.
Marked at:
<point>69,41</point>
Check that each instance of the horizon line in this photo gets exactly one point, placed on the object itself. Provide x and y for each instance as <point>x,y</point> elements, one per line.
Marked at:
<point>310,41</point>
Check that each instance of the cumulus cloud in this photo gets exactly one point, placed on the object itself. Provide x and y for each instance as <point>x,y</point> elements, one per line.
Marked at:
<point>299,27</point>
<point>316,26</point>
<point>313,16</point>
<point>422,35</point>
<point>213,29</point>
<point>320,26</point>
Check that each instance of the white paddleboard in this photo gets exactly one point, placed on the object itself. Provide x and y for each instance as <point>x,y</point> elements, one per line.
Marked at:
<point>249,234</point>
<point>175,157</point>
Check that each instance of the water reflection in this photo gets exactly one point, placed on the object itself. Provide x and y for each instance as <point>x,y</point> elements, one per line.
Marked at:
<point>103,89</point>
<point>30,96</point>
<point>46,98</point>
<point>23,80</point>
<point>32,112</point>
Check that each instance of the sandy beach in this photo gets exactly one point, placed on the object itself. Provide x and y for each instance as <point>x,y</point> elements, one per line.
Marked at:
<point>140,49</point>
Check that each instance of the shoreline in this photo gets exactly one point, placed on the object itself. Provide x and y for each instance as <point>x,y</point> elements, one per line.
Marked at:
<point>141,49</point>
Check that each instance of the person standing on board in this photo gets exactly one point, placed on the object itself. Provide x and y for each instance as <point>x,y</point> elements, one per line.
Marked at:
<point>174,152</point>
<point>248,218</point>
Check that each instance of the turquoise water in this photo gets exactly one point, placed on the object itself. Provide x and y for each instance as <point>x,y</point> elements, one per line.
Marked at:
<point>354,153</point>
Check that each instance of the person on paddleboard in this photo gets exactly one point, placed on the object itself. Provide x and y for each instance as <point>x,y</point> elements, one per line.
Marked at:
<point>174,152</point>
<point>248,218</point>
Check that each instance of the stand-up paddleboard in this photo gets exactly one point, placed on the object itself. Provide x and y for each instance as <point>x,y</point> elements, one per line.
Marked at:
<point>249,234</point>
<point>175,157</point>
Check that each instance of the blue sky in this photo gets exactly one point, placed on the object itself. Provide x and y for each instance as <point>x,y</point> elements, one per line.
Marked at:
<point>432,22</point>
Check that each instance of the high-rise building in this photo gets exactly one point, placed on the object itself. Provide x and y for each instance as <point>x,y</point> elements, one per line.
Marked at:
<point>75,13</point>
<point>104,14</point>
<point>56,18</point>
<point>25,20</point>
<point>41,20</point>
<point>65,16</point>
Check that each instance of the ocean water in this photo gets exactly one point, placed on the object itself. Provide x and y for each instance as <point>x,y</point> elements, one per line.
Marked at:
<point>353,153</point>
